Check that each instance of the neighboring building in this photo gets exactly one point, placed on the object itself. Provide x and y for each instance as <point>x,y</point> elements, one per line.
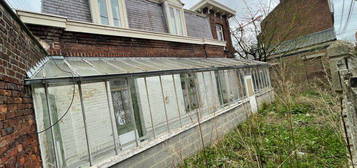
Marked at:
<point>120,83</point>
<point>300,30</point>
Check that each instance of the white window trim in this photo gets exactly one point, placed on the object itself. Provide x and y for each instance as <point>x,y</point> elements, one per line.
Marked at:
<point>167,5</point>
<point>220,32</point>
<point>94,8</point>
<point>92,28</point>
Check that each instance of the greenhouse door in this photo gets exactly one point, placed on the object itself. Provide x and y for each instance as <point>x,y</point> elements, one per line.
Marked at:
<point>250,92</point>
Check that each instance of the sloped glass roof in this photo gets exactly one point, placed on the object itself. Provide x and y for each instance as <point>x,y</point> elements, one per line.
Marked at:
<point>72,67</point>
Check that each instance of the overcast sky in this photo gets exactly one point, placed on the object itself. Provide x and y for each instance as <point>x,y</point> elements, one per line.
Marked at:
<point>242,11</point>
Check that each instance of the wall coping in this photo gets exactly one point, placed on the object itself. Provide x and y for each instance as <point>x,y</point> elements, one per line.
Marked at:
<point>86,27</point>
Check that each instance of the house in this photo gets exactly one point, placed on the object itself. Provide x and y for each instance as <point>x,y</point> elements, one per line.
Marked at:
<point>299,32</point>
<point>120,83</point>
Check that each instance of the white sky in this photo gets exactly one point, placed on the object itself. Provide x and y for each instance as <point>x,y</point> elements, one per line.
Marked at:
<point>242,11</point>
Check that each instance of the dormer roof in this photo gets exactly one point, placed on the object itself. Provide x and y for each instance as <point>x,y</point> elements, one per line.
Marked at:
<point>215,6</point>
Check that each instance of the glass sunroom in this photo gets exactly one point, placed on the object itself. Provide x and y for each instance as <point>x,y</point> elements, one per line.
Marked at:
<point>91,109</point>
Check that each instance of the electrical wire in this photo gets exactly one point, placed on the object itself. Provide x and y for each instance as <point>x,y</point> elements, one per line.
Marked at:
<point>70,105</point>
<point>348,16</point>
<point>342,15</point>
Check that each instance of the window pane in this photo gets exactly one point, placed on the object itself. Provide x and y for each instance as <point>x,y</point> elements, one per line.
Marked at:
<point>219,30</point>
<point>178,22</point>
<point>222,87</point>
<point>189,88</point>
<point>173,20</point>
<point>43,122</point>
<point>98,119</point>
<point>69,133</point>
<point>234,86</point>
<point>123,113</point>
<point>115,11</point>
<point>103,12</point>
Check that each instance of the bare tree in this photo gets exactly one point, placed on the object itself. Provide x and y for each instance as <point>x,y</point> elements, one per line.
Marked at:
<point>253,42</point>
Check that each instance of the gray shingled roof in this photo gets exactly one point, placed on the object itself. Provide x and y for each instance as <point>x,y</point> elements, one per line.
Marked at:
<point>307,40</point>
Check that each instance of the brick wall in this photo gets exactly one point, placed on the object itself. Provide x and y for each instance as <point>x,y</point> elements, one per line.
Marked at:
<point>65,43</point>
<point>222,20</point>
<point>296,18</point>
<point>18,52</point>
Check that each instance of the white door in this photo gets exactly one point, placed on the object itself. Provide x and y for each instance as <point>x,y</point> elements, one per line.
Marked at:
<point>249,87</point>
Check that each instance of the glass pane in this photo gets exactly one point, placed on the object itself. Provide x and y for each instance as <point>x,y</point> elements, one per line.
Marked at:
<point>234,86</point>
<point>43,122</point>
<point>115,11</point>
<point>82,68</point>
<point>103,12</point>
<point>54,68</point>
<point>105,68</point>
<point>123,113</point>
<point>222,87</point>
<point>173,20</point>
<point>157,105</point>
<point>98,119</point>
<point>170,102</point>
<point>190,88</point>
<point>178,22</point>
<point>69,132</point>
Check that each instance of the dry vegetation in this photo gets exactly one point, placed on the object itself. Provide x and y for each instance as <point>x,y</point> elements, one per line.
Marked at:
<point>302,128</point>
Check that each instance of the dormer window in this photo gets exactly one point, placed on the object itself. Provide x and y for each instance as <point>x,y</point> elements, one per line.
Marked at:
<point>176,22</point>
<point>175,17</point>
<point>220,34</point>
<point>109,12</point>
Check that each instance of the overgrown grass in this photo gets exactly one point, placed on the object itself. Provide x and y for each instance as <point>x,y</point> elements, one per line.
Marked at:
<point>301,130</point>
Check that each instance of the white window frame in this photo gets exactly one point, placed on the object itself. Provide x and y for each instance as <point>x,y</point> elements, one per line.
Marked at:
<point>94,7</point>
<point>171,23</point>
<point>220,32</point>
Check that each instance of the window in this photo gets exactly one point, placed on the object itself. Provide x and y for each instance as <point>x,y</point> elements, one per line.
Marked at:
<point>109,12</point>
<point>220,34</point>
<point>222,86</point>
<point>176,23</point>
<point>175,18</point>
<point>190,89</point>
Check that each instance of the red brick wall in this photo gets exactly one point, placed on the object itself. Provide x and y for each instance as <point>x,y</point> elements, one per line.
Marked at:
<point>295,18</point>
<point>222,20</point>
<point>18,52</point>
<point>66,43</point>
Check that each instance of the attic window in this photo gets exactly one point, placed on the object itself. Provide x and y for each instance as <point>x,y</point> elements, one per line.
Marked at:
<point>175,18</point>
<point>109,12</point>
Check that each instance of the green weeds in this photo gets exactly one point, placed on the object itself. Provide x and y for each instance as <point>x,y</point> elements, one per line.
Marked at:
<point>303,133</point>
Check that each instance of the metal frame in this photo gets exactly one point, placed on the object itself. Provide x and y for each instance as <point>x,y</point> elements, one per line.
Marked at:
<point>198,111</point>
<point>50,118</point>
<point>136,74</point>
<point>85,124</point>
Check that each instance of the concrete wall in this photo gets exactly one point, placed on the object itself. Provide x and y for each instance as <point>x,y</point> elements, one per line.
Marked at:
<point>174,150</point>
